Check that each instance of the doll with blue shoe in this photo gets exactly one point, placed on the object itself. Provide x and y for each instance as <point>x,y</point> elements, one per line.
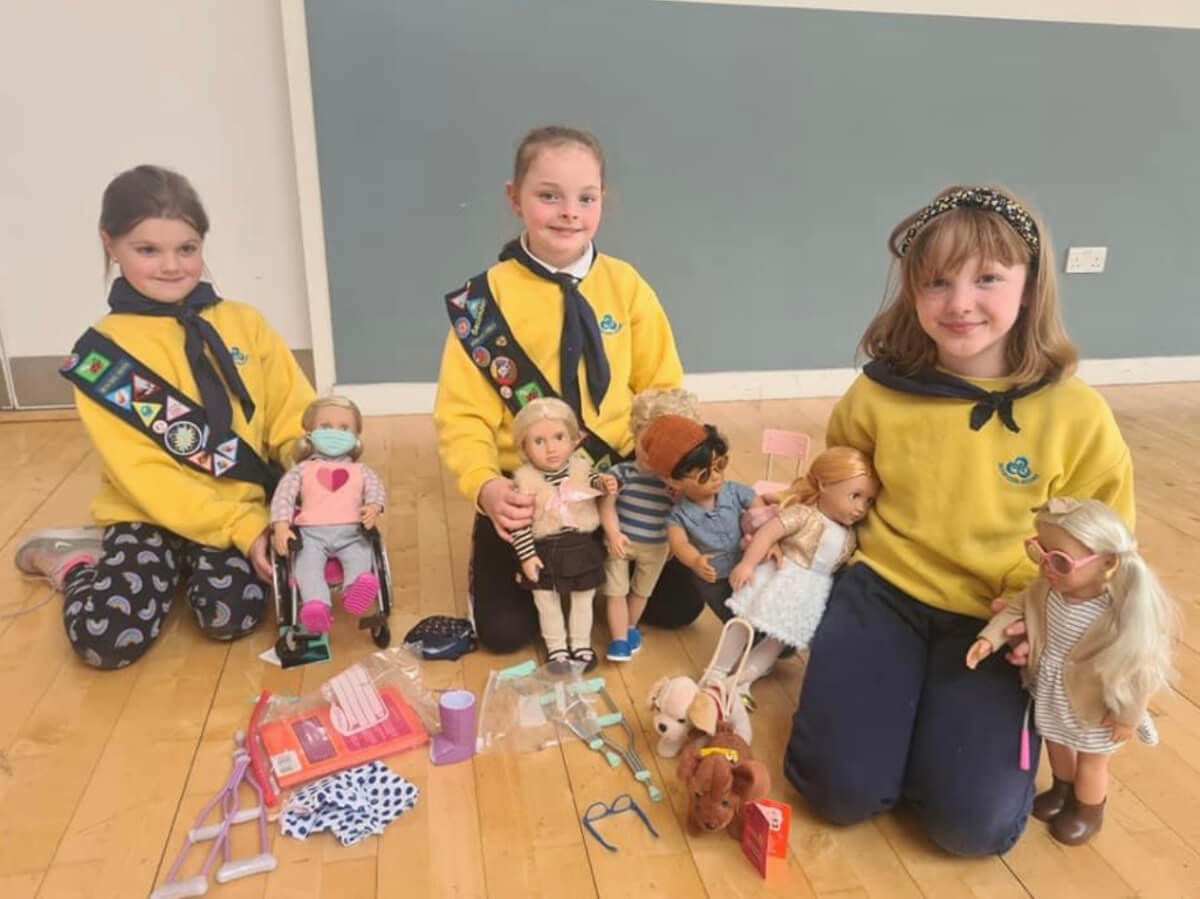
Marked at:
<point>634,520</point>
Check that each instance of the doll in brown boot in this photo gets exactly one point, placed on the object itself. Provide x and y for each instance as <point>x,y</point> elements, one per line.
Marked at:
<point>1100,630</point>
<point>1047,805</point>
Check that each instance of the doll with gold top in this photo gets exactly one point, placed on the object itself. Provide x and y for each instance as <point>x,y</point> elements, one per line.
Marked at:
<point>814,530</point>
<point>1100,629</point>
<point>331,498</point>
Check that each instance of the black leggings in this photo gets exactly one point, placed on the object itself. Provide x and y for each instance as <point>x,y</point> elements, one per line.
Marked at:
<point>506,618</point>
<point>114,610</point>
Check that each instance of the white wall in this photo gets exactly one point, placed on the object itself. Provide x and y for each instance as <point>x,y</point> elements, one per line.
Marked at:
<point>1169,13</point>
<point>90,88</point>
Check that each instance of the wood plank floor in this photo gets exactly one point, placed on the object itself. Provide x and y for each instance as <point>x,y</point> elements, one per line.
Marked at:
<point>102,773</point>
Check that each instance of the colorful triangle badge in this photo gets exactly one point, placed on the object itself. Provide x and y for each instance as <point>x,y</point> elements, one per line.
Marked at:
<point>459,301</point>
<point>228,449</point>
<point>474,307</point>
<point>122,397</point>
<point>221,465</point>
<point>176,409</point>
<point>201,460</point>
<point>147,412</point>
<point>143,388</point>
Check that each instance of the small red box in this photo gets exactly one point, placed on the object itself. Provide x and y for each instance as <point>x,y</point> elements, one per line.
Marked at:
<point>765,834</point>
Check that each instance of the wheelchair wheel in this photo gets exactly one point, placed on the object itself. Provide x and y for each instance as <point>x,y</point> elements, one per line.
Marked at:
<point>382,636</point>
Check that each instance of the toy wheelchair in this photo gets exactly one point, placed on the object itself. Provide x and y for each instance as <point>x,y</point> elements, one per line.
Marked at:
<point>296,646</point>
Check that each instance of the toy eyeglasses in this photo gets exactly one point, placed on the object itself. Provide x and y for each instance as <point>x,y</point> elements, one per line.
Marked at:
<point>597,811</point>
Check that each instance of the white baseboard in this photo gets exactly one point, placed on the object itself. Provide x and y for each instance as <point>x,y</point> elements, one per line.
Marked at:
<point>417,398</point>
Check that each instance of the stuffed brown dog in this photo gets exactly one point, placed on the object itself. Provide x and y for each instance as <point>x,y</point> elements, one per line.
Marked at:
<point>721,776</point>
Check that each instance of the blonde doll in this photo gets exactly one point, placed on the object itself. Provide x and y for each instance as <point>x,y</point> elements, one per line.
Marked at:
<point>634,520</point>
<point>1100,629</point>
<point>814,528</point>
<point>337,497</point>
<point>559,553</point>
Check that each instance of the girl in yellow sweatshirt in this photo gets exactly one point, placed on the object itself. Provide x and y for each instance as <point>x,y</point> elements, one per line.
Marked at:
<point>972,417</point>
<point>553,317</point>
<point>190,401</point>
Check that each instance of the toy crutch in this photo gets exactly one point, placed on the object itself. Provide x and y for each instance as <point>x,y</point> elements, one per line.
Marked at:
<point>640,772</point>
<point>219,834</point>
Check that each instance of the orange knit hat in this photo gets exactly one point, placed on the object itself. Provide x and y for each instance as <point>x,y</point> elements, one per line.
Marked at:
<point>668,439</point>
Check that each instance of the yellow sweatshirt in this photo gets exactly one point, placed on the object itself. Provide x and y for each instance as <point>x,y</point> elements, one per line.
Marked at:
<point>475,426</point>
<point>139,481</point>
<point>955,506</point>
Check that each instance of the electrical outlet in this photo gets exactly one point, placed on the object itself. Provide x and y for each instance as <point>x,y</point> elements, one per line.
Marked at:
<point>1086,260</point>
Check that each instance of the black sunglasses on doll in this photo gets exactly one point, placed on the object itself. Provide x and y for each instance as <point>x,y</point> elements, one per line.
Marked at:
<point>704,475</point>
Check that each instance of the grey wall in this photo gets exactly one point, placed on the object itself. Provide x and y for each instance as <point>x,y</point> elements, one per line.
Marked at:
<point>758,158</point>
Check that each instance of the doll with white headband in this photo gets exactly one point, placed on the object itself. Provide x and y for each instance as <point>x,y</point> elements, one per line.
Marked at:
<point>331,498</point>
<point>1100,630</point>
<point>560,553</point>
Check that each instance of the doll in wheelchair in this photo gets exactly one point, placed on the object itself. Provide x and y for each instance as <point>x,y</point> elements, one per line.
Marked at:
<point>323,533</point>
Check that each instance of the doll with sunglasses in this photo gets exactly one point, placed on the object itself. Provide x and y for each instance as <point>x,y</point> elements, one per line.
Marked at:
<point>1100,630</point>
<point>704,527</point>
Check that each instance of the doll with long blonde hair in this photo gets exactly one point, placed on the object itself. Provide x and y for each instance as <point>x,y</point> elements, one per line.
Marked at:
<point>331,498</point>
<point>1100,631</point>
<point>814,529</point>
<point>560,553</point>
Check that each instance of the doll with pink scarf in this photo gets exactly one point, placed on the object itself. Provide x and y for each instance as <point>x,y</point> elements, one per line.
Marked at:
<point>560,552</point>
<point>332,499</point>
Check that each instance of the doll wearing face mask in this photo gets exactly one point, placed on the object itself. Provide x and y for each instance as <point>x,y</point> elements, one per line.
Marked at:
<point>330,497</point>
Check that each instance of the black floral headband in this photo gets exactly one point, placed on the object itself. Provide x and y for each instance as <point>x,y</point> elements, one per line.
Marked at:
<point>980,198</point>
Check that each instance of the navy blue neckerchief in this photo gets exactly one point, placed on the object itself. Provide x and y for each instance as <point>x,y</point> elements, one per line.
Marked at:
<point>580,333</point>
<point>930,382</point>
<point>198,334</point>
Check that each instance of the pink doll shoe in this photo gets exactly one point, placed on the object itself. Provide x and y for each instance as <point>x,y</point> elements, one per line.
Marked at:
<point>315,617</point>
<point>360,596</point>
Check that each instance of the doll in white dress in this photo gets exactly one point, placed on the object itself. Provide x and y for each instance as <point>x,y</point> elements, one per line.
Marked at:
<point>814,529</point>
<point>1100,629</point>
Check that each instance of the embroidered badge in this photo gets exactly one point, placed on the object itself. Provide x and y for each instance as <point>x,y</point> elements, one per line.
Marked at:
<point>474,307</point>
<point>609,325</point>
<point>147,412</point>
<point>239,358</point>
<point>459,300</point>
<point>462,327</point>
<point>183,438</point>
<point>201,460</point>
<point>483,334</point>
<point>506,392</point>
<point>176,409</point>
<point>143,388</point>
<point>481,356</point>
<point>69,363</point>
<point>501,341</point>
<point>527,392</point>
<point>504,371</point>
<point>1018,471</point>
<point>122,398</point>
<point>92,367</point>
<point>159,427</point>
<point>229,449</point>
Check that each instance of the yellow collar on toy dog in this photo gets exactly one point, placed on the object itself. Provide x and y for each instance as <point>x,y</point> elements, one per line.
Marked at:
<point>731,755</point>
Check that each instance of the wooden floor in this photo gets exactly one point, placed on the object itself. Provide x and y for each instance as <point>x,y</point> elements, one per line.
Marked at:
<point>101,773</point>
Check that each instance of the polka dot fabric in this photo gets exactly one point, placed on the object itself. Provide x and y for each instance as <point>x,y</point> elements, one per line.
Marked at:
<point>352,804</point>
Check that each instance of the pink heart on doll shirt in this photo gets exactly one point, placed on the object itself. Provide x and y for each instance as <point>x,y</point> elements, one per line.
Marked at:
<point>332,479</point>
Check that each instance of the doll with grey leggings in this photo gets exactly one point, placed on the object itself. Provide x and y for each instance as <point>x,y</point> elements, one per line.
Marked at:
<point>331,498</point>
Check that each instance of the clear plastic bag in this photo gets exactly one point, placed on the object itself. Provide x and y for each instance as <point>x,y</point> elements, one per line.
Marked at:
<point>520,705</point>
<point>375,708</point>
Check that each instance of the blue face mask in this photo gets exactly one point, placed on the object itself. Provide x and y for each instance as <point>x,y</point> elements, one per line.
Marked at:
<point>333,442</point>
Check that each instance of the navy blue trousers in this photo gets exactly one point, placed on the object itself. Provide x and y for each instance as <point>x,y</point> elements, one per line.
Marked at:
<point>889,711</point>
